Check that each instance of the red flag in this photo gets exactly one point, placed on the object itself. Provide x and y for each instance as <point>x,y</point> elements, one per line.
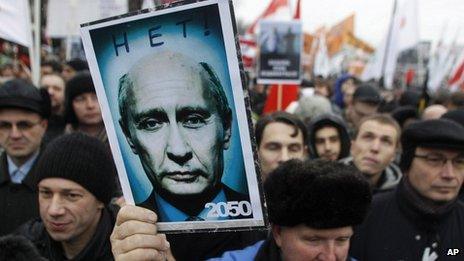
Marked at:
<point>298,10</point>
<point>288,95</point>
<point>272,8</point>
<point>457,76</point>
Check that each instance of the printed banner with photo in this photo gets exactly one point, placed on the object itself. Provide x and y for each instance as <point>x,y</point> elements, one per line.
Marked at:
<point>171,93</point>
<point>280,45</point>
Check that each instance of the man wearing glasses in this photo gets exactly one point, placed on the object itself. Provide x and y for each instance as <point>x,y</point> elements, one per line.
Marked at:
<point>24,111</point>
<point>422,219</point>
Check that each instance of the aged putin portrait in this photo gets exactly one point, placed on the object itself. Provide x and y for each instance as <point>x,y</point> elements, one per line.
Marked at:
<point>177,120</point>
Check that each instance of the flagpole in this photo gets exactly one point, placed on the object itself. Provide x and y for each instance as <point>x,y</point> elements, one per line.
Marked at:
<point>35,54</point>
<point>279,97</point>
<point>387,47</point>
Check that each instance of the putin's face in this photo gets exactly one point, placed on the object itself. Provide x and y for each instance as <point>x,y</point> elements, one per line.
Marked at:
<point>176,130</point>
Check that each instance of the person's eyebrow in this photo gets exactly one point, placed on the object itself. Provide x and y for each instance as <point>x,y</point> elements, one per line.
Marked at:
<point>150,113</point>
<point>189,110</point>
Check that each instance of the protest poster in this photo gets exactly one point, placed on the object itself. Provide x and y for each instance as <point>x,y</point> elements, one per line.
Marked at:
<point>280,44</point>
<point>170,87</point>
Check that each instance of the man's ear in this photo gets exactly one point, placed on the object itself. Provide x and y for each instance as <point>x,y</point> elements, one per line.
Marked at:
<point>277,234</point>
<point>126,132</point>
<point>227,131</point>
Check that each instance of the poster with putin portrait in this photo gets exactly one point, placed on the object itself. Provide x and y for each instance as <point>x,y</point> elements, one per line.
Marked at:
<point>171,92</point>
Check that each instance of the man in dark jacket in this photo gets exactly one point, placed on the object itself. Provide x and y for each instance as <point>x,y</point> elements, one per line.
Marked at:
<point>328,138</point>
<point>310,215</point>
<point>422,218</point>
<point>24,111</point>
<point>75,181</point>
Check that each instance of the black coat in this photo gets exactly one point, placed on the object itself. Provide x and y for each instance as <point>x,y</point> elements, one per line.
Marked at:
<point>395,231</point>
<point>98,248</point>
<point>18,202</point>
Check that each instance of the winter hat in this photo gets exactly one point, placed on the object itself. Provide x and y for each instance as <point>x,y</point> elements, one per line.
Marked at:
<point>78,64</point>
<point>455,115</point>
<point>82,159</point>
<point>21,94</point>
<point>312,106</point>
<point>368,94</point>
<point>403,113</point>
<point>77,85</point>
<point>318,193</point>
<point>436,133</point>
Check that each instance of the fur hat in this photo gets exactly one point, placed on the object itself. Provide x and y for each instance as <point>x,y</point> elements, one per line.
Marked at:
<point>320,194</point>
<point>77,85</point>
<point>82,159</point>
<point>21,94</point>
<point>18,248</point>
<point>436,133</point>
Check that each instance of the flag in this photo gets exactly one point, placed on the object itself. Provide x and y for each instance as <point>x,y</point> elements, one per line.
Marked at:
<point>276,6</point>
<point>322,60</point>
<point>338,34</point>
<point>298,10</point>
<point>289,94</point>
<point>148,4</point>
<point>249,50</point>
<point>15,22</point>
<point>403,34</point>
<point>457,74</point>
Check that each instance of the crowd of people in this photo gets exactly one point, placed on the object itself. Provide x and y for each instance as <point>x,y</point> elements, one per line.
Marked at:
<point>339,148</point>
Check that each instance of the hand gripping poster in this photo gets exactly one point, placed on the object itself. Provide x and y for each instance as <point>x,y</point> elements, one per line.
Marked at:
<point>171,92</point>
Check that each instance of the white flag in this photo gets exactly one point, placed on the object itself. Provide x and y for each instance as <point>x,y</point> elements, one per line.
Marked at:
<point>404,34</point>
<point>148,4</point>
<point>322,60</point>
<point>15,22</point>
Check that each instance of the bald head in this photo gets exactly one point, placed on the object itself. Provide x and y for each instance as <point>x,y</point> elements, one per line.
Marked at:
<point>434,112</point>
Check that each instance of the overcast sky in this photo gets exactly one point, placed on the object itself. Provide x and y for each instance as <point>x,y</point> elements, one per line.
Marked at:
<point>372,16</point>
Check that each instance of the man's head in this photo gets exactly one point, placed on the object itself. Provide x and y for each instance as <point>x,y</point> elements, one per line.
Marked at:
<point>75,178</point>
<point>434,111</point>
<point>72,67</point>
<point>433,158</point>
<point>375,144</point>
<point>24,111</point>
<point>322,87</point>
<point>328,138</point>
<point>366,101</point>
<point>81,103</point>
<point>176,118</point>
<point>50,67</point>
<point>280,136</point>
<point>54,84</point>
<point>313,206</point>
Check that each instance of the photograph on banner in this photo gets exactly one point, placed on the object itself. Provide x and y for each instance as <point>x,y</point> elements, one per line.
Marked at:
<point>280,44</point>
<point>171,93</point>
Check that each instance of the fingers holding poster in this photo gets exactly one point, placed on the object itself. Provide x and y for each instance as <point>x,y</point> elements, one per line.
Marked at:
<point>280,45</point>
<point>170,90</point>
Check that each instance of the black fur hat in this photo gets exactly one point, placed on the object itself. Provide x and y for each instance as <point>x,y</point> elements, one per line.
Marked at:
<point>320,194</point>
<point>18,248</point>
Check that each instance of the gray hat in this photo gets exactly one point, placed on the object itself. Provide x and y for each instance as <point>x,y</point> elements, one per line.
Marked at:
<point>21,94</point>
<point>368,94</point>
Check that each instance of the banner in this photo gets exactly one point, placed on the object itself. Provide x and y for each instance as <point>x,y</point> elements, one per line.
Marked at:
<point>15,22</point>
<point>280,45</point>
<point>65,16</point>
<point>171,92</point>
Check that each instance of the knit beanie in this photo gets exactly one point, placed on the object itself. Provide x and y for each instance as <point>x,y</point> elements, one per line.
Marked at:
<point>79,84</point>
<point>21,94</point>
<point>82,159</point>
<point>436,133</point>
<point>78,64</point>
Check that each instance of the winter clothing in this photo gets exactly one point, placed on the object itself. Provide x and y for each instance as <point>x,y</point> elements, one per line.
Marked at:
<point>23,95</point>
<point>401,226</point>
<point>312,106</point>
<point>18,202</point>
<point>82,159</point>
<point>329,120</point>
<point>389,178</point>
<point>437,133</point>
<point>18,248</point>
<point>79,84</point>
<point>98,248</point>
<point>368,94</point>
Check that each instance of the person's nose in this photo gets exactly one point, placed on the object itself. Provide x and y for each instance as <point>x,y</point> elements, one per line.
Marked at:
<point>15,133</point>
<point>327,146</point>
<point>284,155</point>
<point>56,207</point>
<point>375,145</point>
<point>448,171</point>
<point>178,148</point>
<point>328,252</point>
<point>90,103</point>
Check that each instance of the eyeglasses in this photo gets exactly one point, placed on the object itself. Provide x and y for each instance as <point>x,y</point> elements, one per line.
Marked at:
<point>20,125</point>
<point>438,160</point>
